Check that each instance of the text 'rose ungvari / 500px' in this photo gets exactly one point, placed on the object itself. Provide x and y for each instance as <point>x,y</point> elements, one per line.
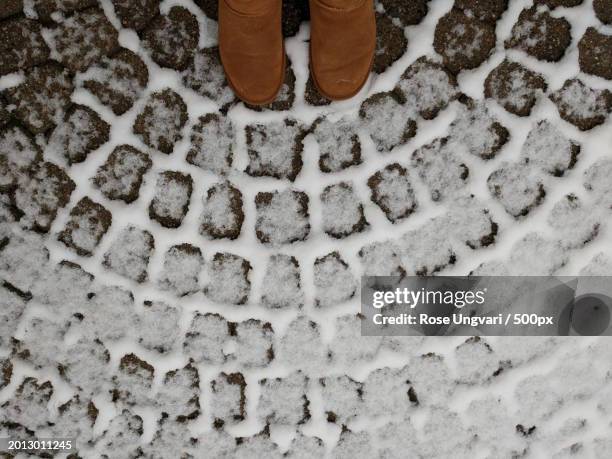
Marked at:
<point>511,306</point>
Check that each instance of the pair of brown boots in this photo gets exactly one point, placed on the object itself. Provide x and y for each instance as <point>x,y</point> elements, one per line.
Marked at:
<point>342,46</point>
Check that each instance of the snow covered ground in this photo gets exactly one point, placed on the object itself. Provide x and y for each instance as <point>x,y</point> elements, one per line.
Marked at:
<point>179,272</point>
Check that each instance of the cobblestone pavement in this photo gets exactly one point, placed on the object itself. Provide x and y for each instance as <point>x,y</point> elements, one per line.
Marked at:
<point>179,271</point>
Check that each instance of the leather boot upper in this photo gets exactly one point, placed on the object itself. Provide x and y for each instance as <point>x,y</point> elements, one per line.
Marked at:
<point>251,48</point>
<point>342,45</point>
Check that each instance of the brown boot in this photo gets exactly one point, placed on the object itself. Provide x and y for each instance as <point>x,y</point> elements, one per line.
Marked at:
<point>342,45</point>
<point>251,48</point>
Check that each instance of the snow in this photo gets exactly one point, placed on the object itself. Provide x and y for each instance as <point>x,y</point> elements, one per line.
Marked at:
<point>342,211</point>
<point>157,326</point>
<point>42,341</point>
<point>596,181</point>
<point>40,195</point>
<point>13,308</point>
<point>303,447</point>
<point>82,363</point>
<point>279,317</point>
<point>205,76</point>
<point>333,280</point>
<point>228,279</point>
<point>478,229</point>
<point>426,250</point>
<point>18,148</point>
<point>212,139</point>
<point>537,398</point>
<point>393,192</point>
<point>42,99</point>
<point>257,446</point>
<point>476,361</point>
<point>519,187</point>
<point>515,87</point>
<point>129,253</point>
<point>133,381</point>
<point>170,438</point>
<point>301,346</point>
<point>76,420</point>
<point>80,133</point>
<point>179,395</point>
<point>281,285</point>
<point>275,149</point>
<point>181,271</point>
<point>254,344</point>
<point>121,176</point>
<point>222,215</point>
<point>283,400</point>
<point>341,398</point>
<point>171,200</point>
<point>387,121</point>
<point>477,131</point>
<point>547,148</point>
<point>23,262</point>
<point>438,166</point>
<point>29,406</point>
<point>396,437</point>
<point>348,346</point>
<point>430,376</point>
<point>427,87</point>
<point>228,398</point>
<point>117,81</point>
<point>492,420</point>
<point>108,304</point>
<point>206,337</point>
<point>575,222</point>
<point>89,222</point>
<point>16,54</point>
<point>339,145</point>
<point>160,122</point>
<point>282,217</point>
<point>582,105</point>
<point>83,38</point>
<point>541,255</point>
<point>122,436</point>
<point>597,266</point>
<point>353,444</point>
<point>218,443</point>
<point>441,434</point>
<point>381,259</point>
<point>172,38</point>
<point>386,392</point>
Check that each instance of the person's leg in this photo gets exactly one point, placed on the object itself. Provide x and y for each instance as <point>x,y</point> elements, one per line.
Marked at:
<point>342,45</point>
<point>251,48</point>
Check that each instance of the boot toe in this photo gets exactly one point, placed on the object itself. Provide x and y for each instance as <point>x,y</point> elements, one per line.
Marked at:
<point>253,84</point>
<point>251,48</point>
<point>342,46</point>
<point>339,84</point>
